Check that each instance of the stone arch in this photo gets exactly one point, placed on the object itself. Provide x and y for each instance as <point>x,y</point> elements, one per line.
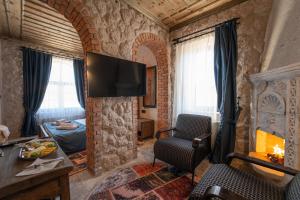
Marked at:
<point>81,20</point>
<point>79,16</point>
<point>159,49</point>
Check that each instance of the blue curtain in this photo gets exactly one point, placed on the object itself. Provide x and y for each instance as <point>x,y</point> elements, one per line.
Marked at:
<point>79,80</point>
<point>36,73</point>
<point>225,64</point>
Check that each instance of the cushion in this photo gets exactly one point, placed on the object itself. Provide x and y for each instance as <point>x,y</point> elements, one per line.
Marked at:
<point>293,189</point>
<point>190,126</point>
<point>239,182</point>
<point>179,152</point>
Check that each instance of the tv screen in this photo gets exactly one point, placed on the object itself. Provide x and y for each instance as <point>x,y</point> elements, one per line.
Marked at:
<point>113,77</point>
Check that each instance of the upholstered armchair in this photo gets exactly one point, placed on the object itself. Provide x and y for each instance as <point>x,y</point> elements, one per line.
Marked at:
<point>223,181</point>
<point>188,142</point>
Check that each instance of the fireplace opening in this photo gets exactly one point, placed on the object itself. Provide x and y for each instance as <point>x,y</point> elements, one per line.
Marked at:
<point>269,147</point>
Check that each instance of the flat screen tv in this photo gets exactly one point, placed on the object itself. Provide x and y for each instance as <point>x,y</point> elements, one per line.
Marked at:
<point>113,77</point>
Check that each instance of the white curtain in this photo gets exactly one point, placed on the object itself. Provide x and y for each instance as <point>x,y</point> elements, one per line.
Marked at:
<point>195,91</point>
<point>60,99</point>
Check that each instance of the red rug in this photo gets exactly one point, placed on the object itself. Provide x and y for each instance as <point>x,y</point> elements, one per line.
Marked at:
<point>144,182</point>
<point>79,161</point>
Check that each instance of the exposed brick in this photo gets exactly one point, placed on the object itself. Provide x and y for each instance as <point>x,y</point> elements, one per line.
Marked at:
<point>159,49</point>
<point>90,42</point>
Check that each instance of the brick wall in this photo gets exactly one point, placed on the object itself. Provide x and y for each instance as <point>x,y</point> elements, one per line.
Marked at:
<point>111,27</point>
<point>82,22</point>
<point>159,48</point>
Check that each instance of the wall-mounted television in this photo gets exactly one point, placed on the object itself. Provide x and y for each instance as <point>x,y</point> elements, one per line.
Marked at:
<point>113,77</point>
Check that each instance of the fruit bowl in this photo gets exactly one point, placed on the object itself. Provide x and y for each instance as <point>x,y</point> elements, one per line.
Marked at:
<point>37,148</point>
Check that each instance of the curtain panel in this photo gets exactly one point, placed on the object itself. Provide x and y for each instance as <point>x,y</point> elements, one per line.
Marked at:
<point>79,81</point>
<point>36,72</point>
<point>225,64</point>
<point>60,100</point>
<point>194,88</point>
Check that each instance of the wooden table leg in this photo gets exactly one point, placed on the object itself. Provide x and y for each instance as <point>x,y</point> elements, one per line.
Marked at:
<point>65,187</point>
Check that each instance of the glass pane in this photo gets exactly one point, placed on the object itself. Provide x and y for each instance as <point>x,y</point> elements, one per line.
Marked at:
<point>61,89</point>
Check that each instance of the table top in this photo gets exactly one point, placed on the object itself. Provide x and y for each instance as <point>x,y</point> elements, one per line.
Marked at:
<point>10,165</point>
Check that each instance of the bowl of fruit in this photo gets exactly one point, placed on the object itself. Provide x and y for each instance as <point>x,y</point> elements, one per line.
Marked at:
<point>37,148</point>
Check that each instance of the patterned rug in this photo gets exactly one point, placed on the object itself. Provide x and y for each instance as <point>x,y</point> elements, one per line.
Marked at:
<point>79,161</point>
<point>143,182</point>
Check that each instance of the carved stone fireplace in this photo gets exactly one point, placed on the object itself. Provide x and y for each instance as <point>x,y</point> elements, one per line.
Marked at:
<point>275,111</point>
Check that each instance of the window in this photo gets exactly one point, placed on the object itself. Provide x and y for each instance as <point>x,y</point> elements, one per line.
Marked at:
<point>60,100</point>
<point>195,90</point>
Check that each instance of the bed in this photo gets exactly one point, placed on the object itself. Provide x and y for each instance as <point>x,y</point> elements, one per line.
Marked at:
<point>70,141</point>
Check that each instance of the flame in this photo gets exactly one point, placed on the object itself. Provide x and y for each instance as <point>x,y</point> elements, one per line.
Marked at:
<point>278,151</point>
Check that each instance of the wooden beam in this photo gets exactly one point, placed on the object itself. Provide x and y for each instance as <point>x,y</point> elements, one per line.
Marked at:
<point>46,36</point>
<point>204,9</point>
<point>145,12</point>
<point>48,22</point>
<point>187,11</point>
<point>53,40</point>
<point>41,4</point>
<point>51,49</point>
<point>13,14</point>
<point>37,24</point>
<point>52,44</point>
<point>207,14</point>
<point>43,14</point>
<point>4,30</point>
<point>49,34</point>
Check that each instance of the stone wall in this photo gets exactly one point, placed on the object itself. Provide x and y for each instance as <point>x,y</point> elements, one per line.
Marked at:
<point>117,26</point>
<point>109,27</point>
<point>283,35</point>
<point>12,110</point>
<point>253,16</point>
<point>0,82</point>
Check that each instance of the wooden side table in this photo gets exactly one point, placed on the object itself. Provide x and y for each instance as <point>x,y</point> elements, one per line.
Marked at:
<point>145,128</point>
<point>47,185</point>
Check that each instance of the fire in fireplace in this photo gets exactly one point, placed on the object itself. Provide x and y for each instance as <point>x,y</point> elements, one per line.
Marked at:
<point>269,147</point>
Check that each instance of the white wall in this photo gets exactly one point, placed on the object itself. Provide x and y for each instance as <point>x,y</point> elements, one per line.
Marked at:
<point>145,55</point>
<point>283,35</point>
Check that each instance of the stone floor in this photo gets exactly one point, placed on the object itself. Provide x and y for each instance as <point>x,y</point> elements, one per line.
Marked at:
<point>82,184</point>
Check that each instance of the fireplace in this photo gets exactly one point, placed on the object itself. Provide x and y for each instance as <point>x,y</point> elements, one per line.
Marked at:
<point>269,147</point>
<point>275,117</point>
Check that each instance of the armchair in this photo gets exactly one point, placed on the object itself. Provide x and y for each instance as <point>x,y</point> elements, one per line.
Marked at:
<point>187,145</point>
<point>222,181</point>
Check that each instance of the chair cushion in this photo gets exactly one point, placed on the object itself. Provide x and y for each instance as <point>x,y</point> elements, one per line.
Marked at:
<point>293,189</point>
<point>189,126</point>
<point>179,152</point>
<point>239,182</point>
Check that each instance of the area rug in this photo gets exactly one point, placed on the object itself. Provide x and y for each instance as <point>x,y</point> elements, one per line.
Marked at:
<point>143,182</point>
<point>79,161</point>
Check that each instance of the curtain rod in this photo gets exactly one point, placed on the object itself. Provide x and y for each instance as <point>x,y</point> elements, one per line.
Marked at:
<point>179,39</point>
<point>60,55</point>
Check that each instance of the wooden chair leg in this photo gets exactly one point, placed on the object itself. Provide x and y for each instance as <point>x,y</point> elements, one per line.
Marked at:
<point>153,162</point>
<point>193,176</point>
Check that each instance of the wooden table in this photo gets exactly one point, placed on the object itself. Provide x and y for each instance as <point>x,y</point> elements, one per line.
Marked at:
<point>40,186</point>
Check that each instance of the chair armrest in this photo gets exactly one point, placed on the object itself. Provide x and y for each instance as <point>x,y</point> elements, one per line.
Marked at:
<point>198,140</point>
<point>222,193</point>
<point>157,135</point>
<point>263,163</point>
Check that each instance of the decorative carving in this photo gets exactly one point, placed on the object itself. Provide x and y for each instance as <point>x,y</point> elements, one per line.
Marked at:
<point>279,86</point>
<point>261,86</point>
<point>291,123</point>
<point>271,102</point>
